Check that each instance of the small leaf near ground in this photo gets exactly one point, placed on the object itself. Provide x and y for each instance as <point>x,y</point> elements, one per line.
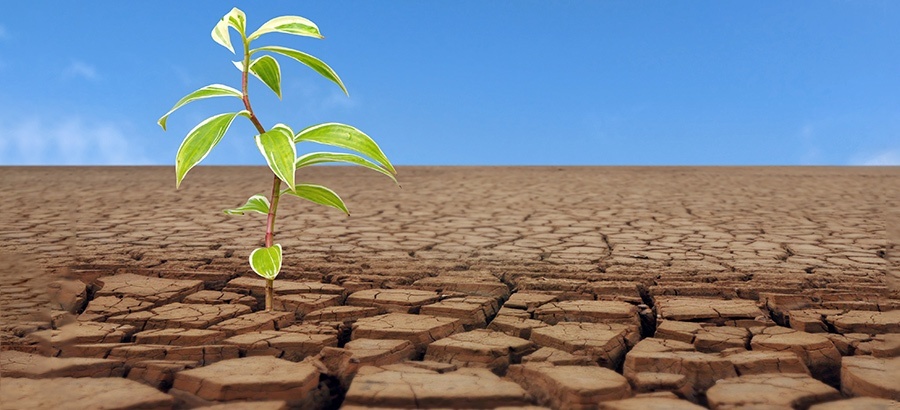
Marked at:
<point>266,262</point>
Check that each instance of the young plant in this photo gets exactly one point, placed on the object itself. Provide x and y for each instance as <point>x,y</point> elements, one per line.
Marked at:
<point>278,144</point>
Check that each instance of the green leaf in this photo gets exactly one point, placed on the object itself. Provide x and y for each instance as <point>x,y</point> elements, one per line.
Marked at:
<point>312,62</point>
<point>200,141</point>
<point>234,19</point>
<point>345,136</point>
<point>266,262</point>
<point>237,20</point>
<point>267,70</point>
<point>318,194</point>
<point>295,25</point>
<point>256,203</point>
<point>212,90</point>
<point>330,157</point>
<point>277,145</point>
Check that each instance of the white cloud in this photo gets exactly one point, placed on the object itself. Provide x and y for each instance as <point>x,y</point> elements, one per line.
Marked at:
<point>69,142</point>
<point>81,69</point>
<point>884,158</point>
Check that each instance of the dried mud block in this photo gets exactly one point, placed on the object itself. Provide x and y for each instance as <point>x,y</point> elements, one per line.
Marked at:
<point>510,312</point>
<point>201,355</point>
<point>480,348</point>
<point>393,300</point>
<point>215,297</point>
<point>588,311</point>
<point>249,405</point>
<point>155,290</point>
<point>67,295</point>
<point>487,286</point>
<point>256,287</point>
<point>59,318</point>
<point>624,291</point>
<point>95,350</point>
<point>653,344</point>
<point>72,393</point>
<point>604,343</point>
<point>432,366</point>
<point>816,350</point>
<point>680,288</point>
<point>886,345</point>
<point>649,403</point>
<point>655,364</point>
<point>158,373</point>
<point>342,314</point>
<point>810,320</point>
<point>303,303</point>
<point>770,391</point>
<point>529,301</point>
<point>179,337</point>
<point>859,321</point>
<point>661,382</point>
<point>408,387</point>
<point>418,329</point>
<point>566,288</point>
<point>472,311</point>
<point>861,344</point>
<point>706,339</point>
<point>570,387</point>
<point>182,315</point>
<point>285,345</point>
<point>103,307</point>
<point>255,322</point>
<point>858,403</point>
<point>54,342</point>
<point>515,326</point>
<point>18,364</point>
<point>356,282</point>
<point>781,304</point>
<point>251,378</point>
<point>717,311</point>
<point>381,352</point>
<point>747,363</point>
<point>211,280</point>
<point>871,376</point>
<point>315,328</point>
<point>557,357</point>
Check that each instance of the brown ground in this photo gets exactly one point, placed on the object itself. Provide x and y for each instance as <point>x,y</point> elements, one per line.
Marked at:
<point>616,287</point>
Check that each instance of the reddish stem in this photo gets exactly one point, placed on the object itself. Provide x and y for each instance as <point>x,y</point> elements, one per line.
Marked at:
<point>276,184</point>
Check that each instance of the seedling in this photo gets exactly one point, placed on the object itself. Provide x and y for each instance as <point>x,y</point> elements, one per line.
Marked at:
<point>277,144</point>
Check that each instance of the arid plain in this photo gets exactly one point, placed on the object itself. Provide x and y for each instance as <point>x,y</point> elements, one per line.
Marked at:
<point>469,287</point>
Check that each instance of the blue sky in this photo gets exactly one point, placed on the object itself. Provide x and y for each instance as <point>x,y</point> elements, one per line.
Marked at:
<point>470,82</point>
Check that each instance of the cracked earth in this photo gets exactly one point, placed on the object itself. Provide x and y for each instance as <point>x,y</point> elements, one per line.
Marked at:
<point>540,287</point>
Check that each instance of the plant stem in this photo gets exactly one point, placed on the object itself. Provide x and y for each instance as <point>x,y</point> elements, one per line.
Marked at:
<point>276,184</point>
<point>270,294</point>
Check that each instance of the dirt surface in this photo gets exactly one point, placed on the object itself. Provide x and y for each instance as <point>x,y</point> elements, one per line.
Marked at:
<point>515,287</point>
